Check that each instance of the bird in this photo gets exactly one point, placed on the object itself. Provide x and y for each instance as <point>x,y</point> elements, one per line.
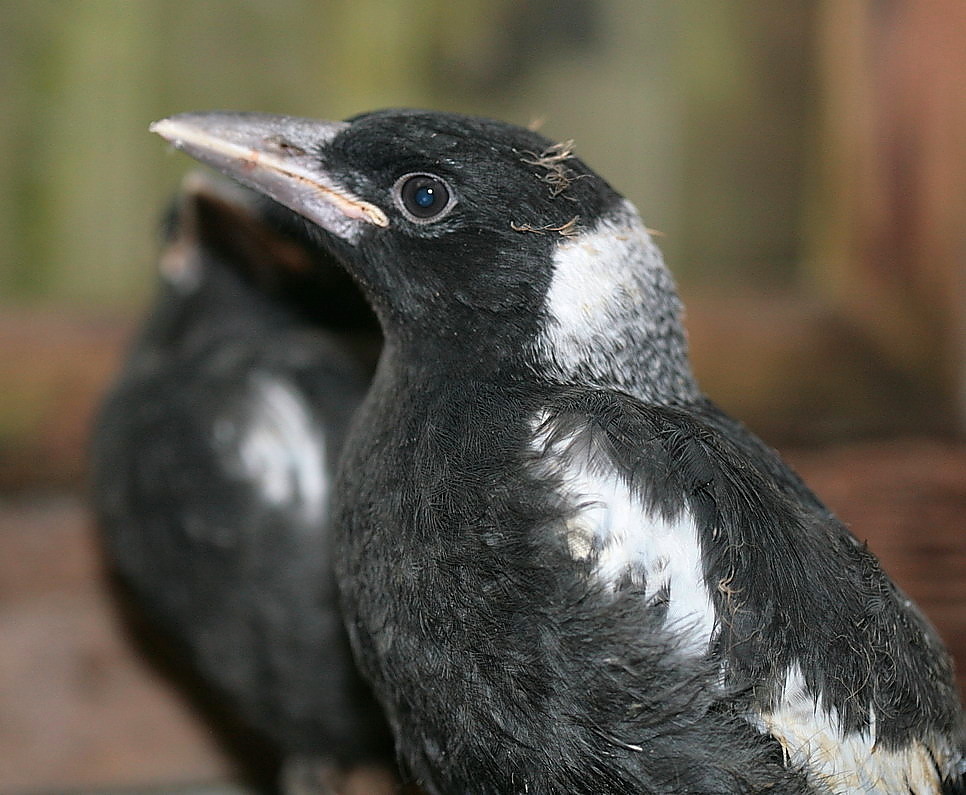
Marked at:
<point>213,457</point>
<point>563,568</point>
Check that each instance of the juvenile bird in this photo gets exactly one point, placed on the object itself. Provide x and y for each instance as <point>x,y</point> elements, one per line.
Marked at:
<point>213,460</point>
<point>564,569</point>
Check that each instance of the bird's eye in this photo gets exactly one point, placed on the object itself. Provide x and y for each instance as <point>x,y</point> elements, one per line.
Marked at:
<point>422,197</point>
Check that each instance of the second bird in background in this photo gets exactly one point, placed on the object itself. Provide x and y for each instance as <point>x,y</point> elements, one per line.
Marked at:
<point>214,456</point>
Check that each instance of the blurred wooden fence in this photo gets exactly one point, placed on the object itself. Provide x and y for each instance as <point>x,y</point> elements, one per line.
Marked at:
<point>804,162</point>
<point>697,109</point>
<point>887,224</point>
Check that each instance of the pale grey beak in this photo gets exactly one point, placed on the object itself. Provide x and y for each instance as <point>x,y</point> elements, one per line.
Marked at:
<point>275,155</point>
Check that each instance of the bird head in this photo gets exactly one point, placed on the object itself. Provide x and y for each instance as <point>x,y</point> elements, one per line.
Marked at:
<point>467,234</point>
<point>223,243</point>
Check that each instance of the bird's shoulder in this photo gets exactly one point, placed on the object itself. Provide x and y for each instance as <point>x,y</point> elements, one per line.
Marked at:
<point>684,505</point>
<point>239,437</point>
<point>668,456</point>
<point>638,486</point>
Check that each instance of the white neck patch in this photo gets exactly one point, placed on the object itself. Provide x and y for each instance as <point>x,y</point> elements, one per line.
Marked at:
<point>613,312</point>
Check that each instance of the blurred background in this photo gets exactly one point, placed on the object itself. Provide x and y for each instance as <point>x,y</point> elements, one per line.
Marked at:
<point>804,162</point>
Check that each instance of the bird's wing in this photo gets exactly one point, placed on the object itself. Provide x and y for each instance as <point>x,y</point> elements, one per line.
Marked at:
<point>841,667</point>
<point>206,471</point>
<point>269,439</point>
<point>211,485</point>
<point>621,535</point>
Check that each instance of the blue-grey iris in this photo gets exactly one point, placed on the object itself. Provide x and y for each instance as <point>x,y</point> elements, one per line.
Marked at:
<point>423,196</point>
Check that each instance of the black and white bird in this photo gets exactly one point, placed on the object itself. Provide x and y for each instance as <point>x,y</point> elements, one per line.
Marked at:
<point>213,459</point>
<point>564,570</point>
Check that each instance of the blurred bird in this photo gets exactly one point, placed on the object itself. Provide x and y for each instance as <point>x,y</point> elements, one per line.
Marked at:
<point>213,458</point>
<point>564,569</point>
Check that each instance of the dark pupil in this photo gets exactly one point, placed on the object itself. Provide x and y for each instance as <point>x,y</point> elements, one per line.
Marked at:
<point>424,197</point>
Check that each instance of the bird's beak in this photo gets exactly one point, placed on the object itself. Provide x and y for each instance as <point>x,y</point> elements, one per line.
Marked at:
<point>276,155</point>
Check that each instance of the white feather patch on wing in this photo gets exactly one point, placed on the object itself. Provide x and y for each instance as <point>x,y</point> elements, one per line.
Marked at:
<point>278,447</point>
<point>612,529</point>
<point>843,762</point>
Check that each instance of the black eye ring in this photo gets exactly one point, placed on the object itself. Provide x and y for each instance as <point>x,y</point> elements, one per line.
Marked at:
<point>423,198</point>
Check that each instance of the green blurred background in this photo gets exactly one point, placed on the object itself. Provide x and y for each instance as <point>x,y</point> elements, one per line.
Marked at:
<point>702,111</point>
<point>804,162</point>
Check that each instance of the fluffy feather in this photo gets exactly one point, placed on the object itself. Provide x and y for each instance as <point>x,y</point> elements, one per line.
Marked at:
<point>213,457</point>
<point>476,550</point>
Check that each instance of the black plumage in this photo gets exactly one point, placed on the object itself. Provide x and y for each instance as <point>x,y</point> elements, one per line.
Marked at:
<point>213,460</point>
<point>565,570</point>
